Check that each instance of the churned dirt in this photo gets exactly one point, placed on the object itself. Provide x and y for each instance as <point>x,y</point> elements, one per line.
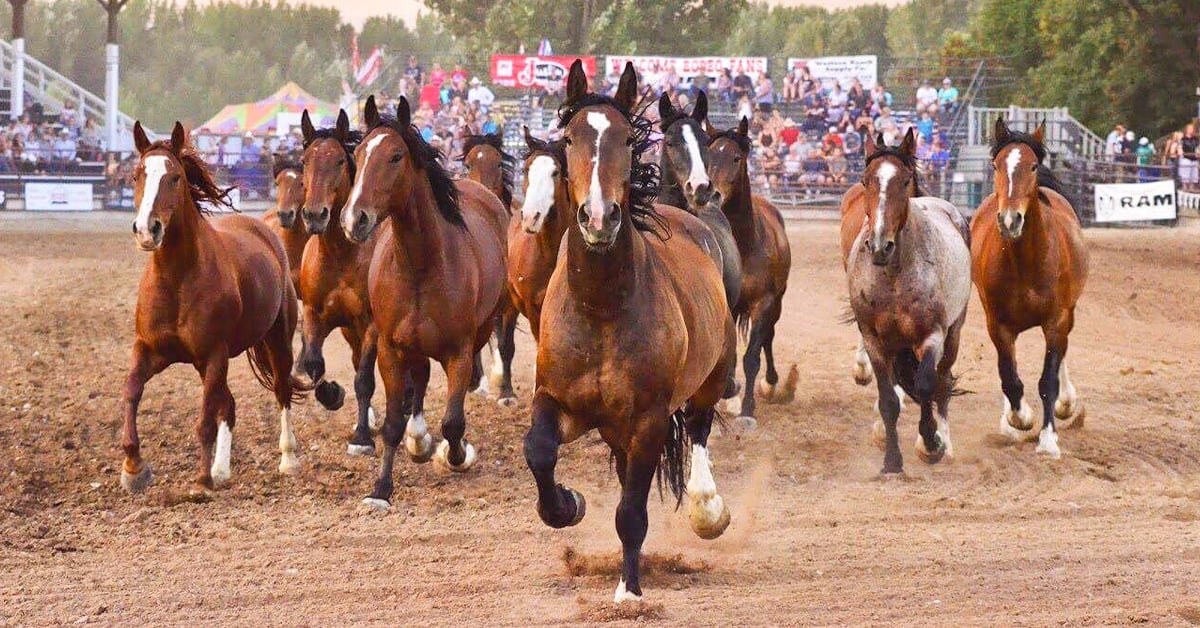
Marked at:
<point>1109,534</point>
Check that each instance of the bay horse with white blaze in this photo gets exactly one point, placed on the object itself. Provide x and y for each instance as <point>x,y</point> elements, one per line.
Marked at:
<point>435,282</point>
<point>211,291</point>
<point>766,259</point>
<point>333,279</point>
<point>1030,266</point>
<point>910,281</point>
<point>289,197</point>
<point>635,332</point>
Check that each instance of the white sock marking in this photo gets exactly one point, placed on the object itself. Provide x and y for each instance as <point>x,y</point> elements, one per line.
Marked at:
<point>700,483</point>
<point>356,191</point>
<point>220,465</point>
<point>622,595</point>
<point>156,169</point>
<point>288,462</point>
<point>416,428</point>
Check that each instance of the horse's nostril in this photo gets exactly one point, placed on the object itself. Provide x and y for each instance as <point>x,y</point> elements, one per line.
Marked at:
<point>324,212</point>
<point>614,211</point>
<point>135,226</point>
<point>889,247</point>
<point>156,229</point>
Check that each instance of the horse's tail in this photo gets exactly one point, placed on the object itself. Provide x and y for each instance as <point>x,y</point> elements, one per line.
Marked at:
<point>260,365</point>
<point>742,320</point>
<point>674,458</point>
<point>847,316</point>
<point>905,372</point>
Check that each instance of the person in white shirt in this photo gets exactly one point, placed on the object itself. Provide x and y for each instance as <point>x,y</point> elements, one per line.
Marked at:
<point>479,93</point>
<point>927,98</point>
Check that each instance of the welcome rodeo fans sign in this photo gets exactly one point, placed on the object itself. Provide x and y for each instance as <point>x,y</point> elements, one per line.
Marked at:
<point>652,69</point>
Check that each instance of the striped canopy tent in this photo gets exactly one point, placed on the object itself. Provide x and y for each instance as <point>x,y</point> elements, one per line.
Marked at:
<point>261,116</point>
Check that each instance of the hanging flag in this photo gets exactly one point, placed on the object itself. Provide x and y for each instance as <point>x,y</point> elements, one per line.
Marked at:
<point>354,60</point>
<point>371,68</point>
<point>544,49</point>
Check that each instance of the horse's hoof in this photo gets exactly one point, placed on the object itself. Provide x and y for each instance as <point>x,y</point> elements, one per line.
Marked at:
<point>330,395</point>
<point>221,477</point>
<point>374,422</point>
<point>709,517</point>
<point>1070,415</point>
<point>367,451</point>
<point>579,503</point>
<point>931,457</point>
<point>622,595</point>
<point>863,376</point>
<point>376,504</point>
<point>507,402</point>
<point>733,405</point>
<point>879,435</point>
<point>289,464</point>
<point>420,450</point>
<point>890,474</point>
<point>482,389</point>
<point>746,423</point>
<point>1017,426</point>
<point>1048,443</point>
<point>137,482</point>
<point>442,456</point>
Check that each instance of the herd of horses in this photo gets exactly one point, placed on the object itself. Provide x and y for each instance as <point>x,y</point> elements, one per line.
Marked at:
<point>637,280</point>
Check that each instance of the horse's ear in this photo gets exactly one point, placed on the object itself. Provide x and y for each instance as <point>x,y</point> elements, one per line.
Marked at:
<point>140,141</point>
<point>529,141</point>
<point>370,112</point>
<point>1001,131</point>
<point>880,142</point>
<point>627,89</point>
<point>576,82</point>
<point>1039,133</point>
<point>306,128</point>
<point>178,137</point>
<point>909,145</point>
<point>665,108</point>
<point>871,145</point>
<point>341,130</point>
<point>700,112</point>
<point>403,113</point>
<point>743,127</point>
<point>710,129</point>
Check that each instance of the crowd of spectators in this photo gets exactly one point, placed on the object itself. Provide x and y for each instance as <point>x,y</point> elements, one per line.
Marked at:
<point>1181,157</point>
<point>41,143</point>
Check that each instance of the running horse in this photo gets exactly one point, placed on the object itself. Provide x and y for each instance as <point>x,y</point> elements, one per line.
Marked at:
<point>766,260</point>
<point>333,276</point>
<point>486,163</point>
<point>635,332</point>
<point>909,278</point>
<point>289,197</point>
<point>534,238</point>
<point>435,282</point>
<point>210,291</point>
<point>1030,265</point>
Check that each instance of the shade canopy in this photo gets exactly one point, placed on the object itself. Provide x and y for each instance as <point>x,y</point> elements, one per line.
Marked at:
<point>261,116</point>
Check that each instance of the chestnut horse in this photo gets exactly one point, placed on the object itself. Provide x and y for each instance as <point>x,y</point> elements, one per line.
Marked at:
<point>635,332</point>
<point>910,282</point>
<point>486,163</point>
<point>534,238</point>
<point>766,260</point>
<point>333,279</point>
<point>1030,265</point>
<point>211,290</point>
<point>289,197</point>
<point>435,281</point>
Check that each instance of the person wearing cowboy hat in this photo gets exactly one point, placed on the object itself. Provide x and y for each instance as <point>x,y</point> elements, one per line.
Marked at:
<point>479,93</point>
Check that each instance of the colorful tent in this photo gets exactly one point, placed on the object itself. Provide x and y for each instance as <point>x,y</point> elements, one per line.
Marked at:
<point>260,117</point>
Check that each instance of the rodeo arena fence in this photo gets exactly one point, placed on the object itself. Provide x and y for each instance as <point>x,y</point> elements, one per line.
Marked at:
<point>958,167</point>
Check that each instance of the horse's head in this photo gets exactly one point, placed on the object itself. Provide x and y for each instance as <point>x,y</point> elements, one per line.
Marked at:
<point>890,180</point>
<point>685,149</point>
<point>1016,158</point>
<point>599,138</point>
<point>393,161</point>
<point>728,152</point>
<point>545,182</point>
<point>328,170</point>
<point>486,163</point>
<point>289,190</point>
<point>160,185</point>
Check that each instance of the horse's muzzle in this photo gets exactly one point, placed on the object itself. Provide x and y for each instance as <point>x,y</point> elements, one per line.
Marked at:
<point>1011,223</point>
<point>882,255</point>
<point>599,232</point>
<point>151,238</point>
<point>287,218</point>
<point>358,225</point>
<point>316,222</point>
<point>701,195</point>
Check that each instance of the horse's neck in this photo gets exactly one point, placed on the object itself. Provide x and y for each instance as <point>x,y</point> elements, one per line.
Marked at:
<point>671,192</point>
<point>1032,246</point>
<point>739,209</point>
<point>419,232</point>
<point>603,282</point>
<point>188,236</point>
<point>550,237</point>
<point>333,241</point>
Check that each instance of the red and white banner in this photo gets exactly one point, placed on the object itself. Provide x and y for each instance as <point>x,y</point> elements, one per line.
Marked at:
<point>527,71</point>
<point>370,69</point>
<point>652,69</point>
<point>842,70</point>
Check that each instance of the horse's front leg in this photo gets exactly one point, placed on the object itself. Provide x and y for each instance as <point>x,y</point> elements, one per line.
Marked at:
<point>863,372</point>
<point>752,361</point>
<point>217,400</point>
<point>645,449</point>
<point>1015,424</point>
<point>454,452</point>
<point>135,472</point>
<point>393,369</point>
<point>1069,411</point>
<point>1056,333</point>
<point>932,435</point>
<point>885,433</point>
<point>707,512</point>
<point>558,506</point>
<point>312,361</point>
<point>362,443</point>
<point>506,327</point>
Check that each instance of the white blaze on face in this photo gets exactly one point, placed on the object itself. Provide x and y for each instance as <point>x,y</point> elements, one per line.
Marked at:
<point>291,174</point>
<point>156,168</point>
<point>539,191</point>
<point>698,176</point>
<point>1013,160</point>
<point>885,173</point>
<point>356,191</point>
<point>600,123</point>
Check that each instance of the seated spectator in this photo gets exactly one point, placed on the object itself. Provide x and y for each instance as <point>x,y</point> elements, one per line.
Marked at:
<point>832,139</point>
<point>939,156</point>
<point>414,73</point>
<point>884,119</point>
<point>837,104</point>
<point>852,141</point>
<point>1144,154</point>
<point>789,133</point>
<point>924,149</point>
<point>764,93</point>
<point>839,166</point>
<point>437,76</point>
<point>479,93</point>
<point>90,144</point>
<point>948,97</point>
<point>458,74</point>
<point>725,86</point>
<point>64,150</point>
<point>927,97</point>
<point>925,126</point>
<point>458,89</point>
<point>792,166</point>
<point>814,113</point>
<point>880,97</point>
<point>795,83</point>
<point>769,161</point>
<point>745,108</point>
<point>860,100</point>
<point>1112,144</point>
<point>743,86</point>
<point>815,169</point>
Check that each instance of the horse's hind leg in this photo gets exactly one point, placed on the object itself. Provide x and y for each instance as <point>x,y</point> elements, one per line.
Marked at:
<point>770,392</point>
<point>1016,425</point>
<point>1068,410</point>
<point>361,443</point>
<point>558,506</point>
<point>312,360</point>
<point>454,452</point>
<point>135,472</point>
<point>506,327</point>
<point>931,444</point>
<point>752,360</point>
<point>707,512</point>
<point>863,373</point>
<point>1048,386</point>
<point>278,347</point>
<point>218,406</point>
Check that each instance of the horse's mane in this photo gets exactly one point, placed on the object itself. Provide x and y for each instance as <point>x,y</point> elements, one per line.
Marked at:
<point>675,116</point>
<point>742,141</point>
<point>285,162</point>
<point>908,161</point>
<point>508,163</point>
<point>556,149</point>
<point>644,178</point>
<point>1045,176</point>
<point>353,138</point>
<point>428,159</point>
<point>205,192</point>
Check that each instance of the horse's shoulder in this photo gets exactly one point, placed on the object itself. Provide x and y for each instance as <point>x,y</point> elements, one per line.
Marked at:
<point>852,198</point>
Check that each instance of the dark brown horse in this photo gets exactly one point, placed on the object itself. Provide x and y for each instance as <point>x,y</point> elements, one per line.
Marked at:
<point>289,197</point>
<point>211,290</point>
<point>486,163</point>
<point>534,237</point>
<point>1030,265</point>
<point>635,331</point>
<point>435,281</point>
<point>333,279</point>
<point>766,260</point>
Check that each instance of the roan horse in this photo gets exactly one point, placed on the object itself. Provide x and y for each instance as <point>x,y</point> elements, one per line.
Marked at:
<point>211,290</point>
<point>766,260</point>
<point>1030,265</point>
<point>534,238</point>
<point>333,278</point>
<point>486,163</point>
<point>635,333</point>
<point>289,192</point>
<point>435,281</point>
<point>910,282</point>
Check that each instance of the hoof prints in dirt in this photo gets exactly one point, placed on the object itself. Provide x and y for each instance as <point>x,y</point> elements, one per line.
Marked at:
<point>605,612</point>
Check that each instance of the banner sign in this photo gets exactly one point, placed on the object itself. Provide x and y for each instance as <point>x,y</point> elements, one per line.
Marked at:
<point>841,70</point>
<point>652,69</point>
<point>527,71</point>
<point>58,197</point>
<point>1120,202</point>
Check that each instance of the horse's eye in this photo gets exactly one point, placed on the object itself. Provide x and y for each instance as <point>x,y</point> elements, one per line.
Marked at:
<point>175,178</point>
<point>397,157</point>
<point>566,140</point>
<point>341,162</point>
<point>1034,168</point>
<point>737,160</point>
<point>554,174</point>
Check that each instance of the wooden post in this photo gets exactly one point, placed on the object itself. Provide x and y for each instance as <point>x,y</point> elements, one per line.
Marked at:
<point>17,97</point>
<point>112,64</point>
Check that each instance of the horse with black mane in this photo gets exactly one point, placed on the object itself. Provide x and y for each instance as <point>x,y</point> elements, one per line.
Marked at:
<point>636,334</point>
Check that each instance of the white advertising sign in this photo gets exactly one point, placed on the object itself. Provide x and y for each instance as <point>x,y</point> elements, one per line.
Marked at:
<point>652,69</point>
<point>1121,202</point>
<point>842,70</point>
<point>44,196</point>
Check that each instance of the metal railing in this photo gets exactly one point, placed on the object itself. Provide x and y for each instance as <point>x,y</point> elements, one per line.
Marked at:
<point>1065,135</point>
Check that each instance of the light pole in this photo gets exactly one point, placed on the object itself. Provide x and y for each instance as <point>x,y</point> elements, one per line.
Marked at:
<point>112,64</point>
<point>18,43</point>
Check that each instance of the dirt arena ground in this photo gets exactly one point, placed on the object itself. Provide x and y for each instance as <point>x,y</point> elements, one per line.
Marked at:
<point>1109,534</point>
